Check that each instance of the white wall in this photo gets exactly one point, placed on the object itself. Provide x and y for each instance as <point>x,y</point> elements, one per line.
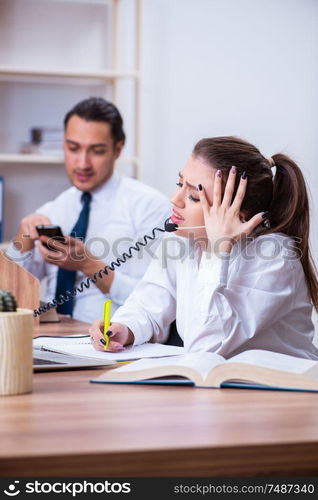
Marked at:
<point>209,67</point>
<point>230,67</point>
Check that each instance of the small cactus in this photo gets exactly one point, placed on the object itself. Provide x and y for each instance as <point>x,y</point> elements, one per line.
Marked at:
<point>7,302</point>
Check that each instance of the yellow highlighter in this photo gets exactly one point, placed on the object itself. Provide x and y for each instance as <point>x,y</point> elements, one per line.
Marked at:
<point>106,315</point>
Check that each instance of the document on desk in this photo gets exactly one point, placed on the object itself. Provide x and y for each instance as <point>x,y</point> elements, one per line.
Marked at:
<point>79,346</point>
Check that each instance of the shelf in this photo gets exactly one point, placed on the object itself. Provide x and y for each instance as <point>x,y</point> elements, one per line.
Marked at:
<point>47,160</point>
<point>94,2</point>
<point>27,159</point>
<point>104,75</point>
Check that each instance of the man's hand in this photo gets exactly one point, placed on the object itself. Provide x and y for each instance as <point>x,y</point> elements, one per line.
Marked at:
<point>71,255</point>
<point>27,233</point>
<point>74,256</point>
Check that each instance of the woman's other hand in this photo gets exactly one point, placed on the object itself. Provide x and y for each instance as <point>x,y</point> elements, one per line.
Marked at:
<point>224,222</point>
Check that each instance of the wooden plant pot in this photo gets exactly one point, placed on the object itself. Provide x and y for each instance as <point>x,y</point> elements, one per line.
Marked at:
<point>16,359</point>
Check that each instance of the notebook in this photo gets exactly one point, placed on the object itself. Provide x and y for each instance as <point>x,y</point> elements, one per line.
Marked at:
<point>80,346</point>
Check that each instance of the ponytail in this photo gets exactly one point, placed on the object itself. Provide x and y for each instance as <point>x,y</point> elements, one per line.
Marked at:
<point>289,214</point>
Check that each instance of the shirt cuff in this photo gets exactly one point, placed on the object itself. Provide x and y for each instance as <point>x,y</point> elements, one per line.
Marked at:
<point>121,287</point>
<point>214,268</point>
<point>140,328</point>
<point>14,254</point>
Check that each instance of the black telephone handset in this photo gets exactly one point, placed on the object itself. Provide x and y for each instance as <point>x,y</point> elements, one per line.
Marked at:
<point>52,231</point>
<point>68,294</point>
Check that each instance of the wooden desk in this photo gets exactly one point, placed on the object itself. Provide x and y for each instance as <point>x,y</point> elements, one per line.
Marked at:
<point>67,326</point>
<point>70,428</point>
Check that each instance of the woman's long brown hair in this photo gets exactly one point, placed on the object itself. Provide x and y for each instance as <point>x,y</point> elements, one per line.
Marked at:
<point>285,196</point>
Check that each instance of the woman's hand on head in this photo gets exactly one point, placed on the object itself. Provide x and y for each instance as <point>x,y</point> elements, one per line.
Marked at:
<point>119,336</point>
<point>224,226</point>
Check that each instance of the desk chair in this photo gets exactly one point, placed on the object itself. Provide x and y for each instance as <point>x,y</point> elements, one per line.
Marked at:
<point>173,337</point>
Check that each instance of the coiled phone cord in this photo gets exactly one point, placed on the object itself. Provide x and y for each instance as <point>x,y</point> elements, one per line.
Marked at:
<point>68,294</point>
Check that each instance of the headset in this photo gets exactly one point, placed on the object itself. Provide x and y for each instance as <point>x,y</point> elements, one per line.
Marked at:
<point>169,227</point>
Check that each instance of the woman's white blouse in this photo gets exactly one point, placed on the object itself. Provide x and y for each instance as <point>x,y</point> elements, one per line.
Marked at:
<point>254,298</point>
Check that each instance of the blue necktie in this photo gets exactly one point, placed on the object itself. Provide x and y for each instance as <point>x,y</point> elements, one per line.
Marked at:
<point>66,279</point>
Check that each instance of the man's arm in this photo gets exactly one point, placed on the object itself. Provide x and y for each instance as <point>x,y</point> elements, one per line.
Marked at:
<point>74,256</point>
<point>92,266</point>
<point>22,249</point>
<point>27,233</point>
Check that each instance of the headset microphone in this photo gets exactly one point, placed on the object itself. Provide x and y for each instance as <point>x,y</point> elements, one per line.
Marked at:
<point>170,227</point>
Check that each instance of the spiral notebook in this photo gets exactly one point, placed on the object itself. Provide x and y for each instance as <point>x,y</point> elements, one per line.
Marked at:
<point>79,345</point>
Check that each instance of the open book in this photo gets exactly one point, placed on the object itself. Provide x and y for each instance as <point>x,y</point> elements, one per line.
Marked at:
<point>253,369</point>
<point>81,346</point>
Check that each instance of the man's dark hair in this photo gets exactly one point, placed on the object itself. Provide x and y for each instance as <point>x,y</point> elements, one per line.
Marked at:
<point>97,109</point>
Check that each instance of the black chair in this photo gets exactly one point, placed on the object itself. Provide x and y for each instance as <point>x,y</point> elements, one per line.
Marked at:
<point>173,337</point>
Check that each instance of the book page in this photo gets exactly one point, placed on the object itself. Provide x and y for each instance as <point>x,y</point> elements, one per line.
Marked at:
<point>274,360</point>
<point>200,362</point>
<point>82,347</point>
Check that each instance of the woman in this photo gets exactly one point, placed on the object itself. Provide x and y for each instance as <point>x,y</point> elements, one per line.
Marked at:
<point>243,277</point>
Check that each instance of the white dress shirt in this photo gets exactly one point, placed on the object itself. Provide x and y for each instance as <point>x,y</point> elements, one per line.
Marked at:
<point>122,211</point>
<point>254,298</point>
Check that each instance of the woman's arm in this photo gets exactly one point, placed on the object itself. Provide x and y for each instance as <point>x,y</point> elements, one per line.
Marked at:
<point>151,307</point>
<point>236,305</point>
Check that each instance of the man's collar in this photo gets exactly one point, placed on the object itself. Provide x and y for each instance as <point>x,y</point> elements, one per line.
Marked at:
<point>105,189</point>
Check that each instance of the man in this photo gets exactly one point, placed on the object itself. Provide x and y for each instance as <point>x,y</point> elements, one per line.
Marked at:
<point>108,211</point>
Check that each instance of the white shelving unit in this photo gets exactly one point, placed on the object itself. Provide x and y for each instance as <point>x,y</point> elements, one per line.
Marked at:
<point>30,159</point>
<point>16,73</point>
<point>78,49</point>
